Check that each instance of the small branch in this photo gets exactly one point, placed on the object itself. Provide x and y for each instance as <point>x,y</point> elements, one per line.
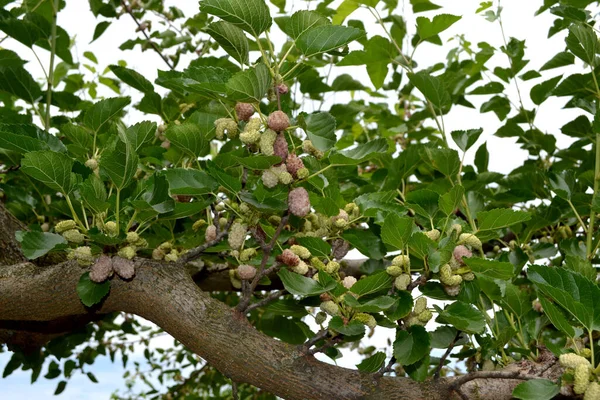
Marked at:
<point>322,334</point>
<point>386,368</point>
<point>436,376</point>
<point>143,30</point>
<point>328,344</point>
<point>266,300</point>
<point>197,251</point>
<point>234,390</point>
<point>417,282</point>
<point>262,272</point>
<point>458,382</point>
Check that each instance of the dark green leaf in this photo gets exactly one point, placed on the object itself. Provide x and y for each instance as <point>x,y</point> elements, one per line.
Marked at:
<point>35,244</point>
<point>90,292</point>
<point>536,389</point>
<point>411,345</point>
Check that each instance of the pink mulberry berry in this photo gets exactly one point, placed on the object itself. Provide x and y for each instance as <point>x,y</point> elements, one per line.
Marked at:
<point>280,147</point>
<point>289,258</point>
<point>102,269</point>
<point>211,233</point>
<point>244,111</point>
<point>278,121</point>
<point>123,267</point>
<point>282,88</point>
<point>246,271</point>
<point>461,251</point>
<point>293,164</point>
<point>298,202</point>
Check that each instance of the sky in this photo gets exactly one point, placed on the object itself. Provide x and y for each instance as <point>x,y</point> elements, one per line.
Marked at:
<point>505,155</point>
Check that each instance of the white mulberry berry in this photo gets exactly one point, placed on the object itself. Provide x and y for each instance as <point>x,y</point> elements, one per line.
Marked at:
<point>571,360</point>
<point>470,240</point>
<point>402,281</point>
<point>250,137</point>
<point>332,267</point>
<point>92,164</point>
<point>592,392</point>
<point>132,237</point>
<point>309,148</point>
<point>402,261</point>
<point>420,305</point>
<point>127,252</point>
<point>74,236</point>
<point>301,268</point>
<point>83,255</point>
<point>123,267</point>
<point>226,126</point>
<point>366,319</point>
<point>348,282</point>
<point>64,226</point>
<point>237,235</point>
<point>266,142</point>
<point>299,202</point>
<point>278,121</point>
<point>300,251</point>
<point>269,178</point>
<point>581,378</point>
<point>330,308</point>
<point>433,234</point>
<point>452,290</point>
<point>111,228</point>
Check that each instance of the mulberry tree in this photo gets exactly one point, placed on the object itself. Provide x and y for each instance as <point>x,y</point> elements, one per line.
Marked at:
<point>266,224</point>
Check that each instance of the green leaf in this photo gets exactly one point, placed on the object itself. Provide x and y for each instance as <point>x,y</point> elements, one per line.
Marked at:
<point>360,153</point>
<point>540,92</point>
<point>396,231</point>
<point>324,38</point>
<point>500,218</point>
<point>300,22</point>
<point>104,110</point>
<point>320,129</point>
<point>101,27</point>
<point>132,78</point>
<point>378,304</point>
<point>432,88</point>
<point>536,389</point>
<point>227,181</point>
<point>253,16</point>
<point>372,284</point>
<point>583,42</point>
<point>490,268</point>
<point>463,317</point>
<point>562,184</point>
<point>427,28</point>
<point>465,139</point>
<point>35,244</point>
<point>93,194</point>
<point>189,182</point>
<point>301,285</point>
<point>140,134</point>
<point>556,316</point>
<point>60,387</point>
<point>231,38</point>
<point>411,345</point>
<point>50,168</point>
<point>90,292</point>
<point>352,328</point>
<point>17,81</point>
<point>317,246</point>
<point>373,363</point>
<point>249,86</point>
<point>444,160</point>
<point>120,165</point>
<point>366,242</point>
<point>402,307</point>
<point>561,59</point>
<point>573,292</point>
<point>187,137</point>
<point>450,201</point>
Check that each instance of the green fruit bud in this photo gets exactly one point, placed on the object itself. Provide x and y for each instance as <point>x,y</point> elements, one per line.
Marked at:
<point>127,252</point>
<point>74,236</point>
<point>64,226</point>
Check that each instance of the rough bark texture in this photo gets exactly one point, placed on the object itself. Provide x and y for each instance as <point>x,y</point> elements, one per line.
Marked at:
<point>39,303</point>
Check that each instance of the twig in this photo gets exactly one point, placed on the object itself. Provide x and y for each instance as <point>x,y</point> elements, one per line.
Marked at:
<point>266,300</point>
<point>418,282</point>
<point>322,334</point>
<point>266,249</point>
<point>196,251</point>
<point>445,356</point>
<point>143,30</point>
<point>234,390</point>
<point>328,344</point>
<point>387,367</point>
<point>458,382</point>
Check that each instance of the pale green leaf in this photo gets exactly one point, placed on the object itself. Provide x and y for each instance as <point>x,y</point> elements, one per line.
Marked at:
<point>231,38</point>
<point>50,168</point>
<point>324,38</point>
<point>249,86</point>
<point>253,16</point>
